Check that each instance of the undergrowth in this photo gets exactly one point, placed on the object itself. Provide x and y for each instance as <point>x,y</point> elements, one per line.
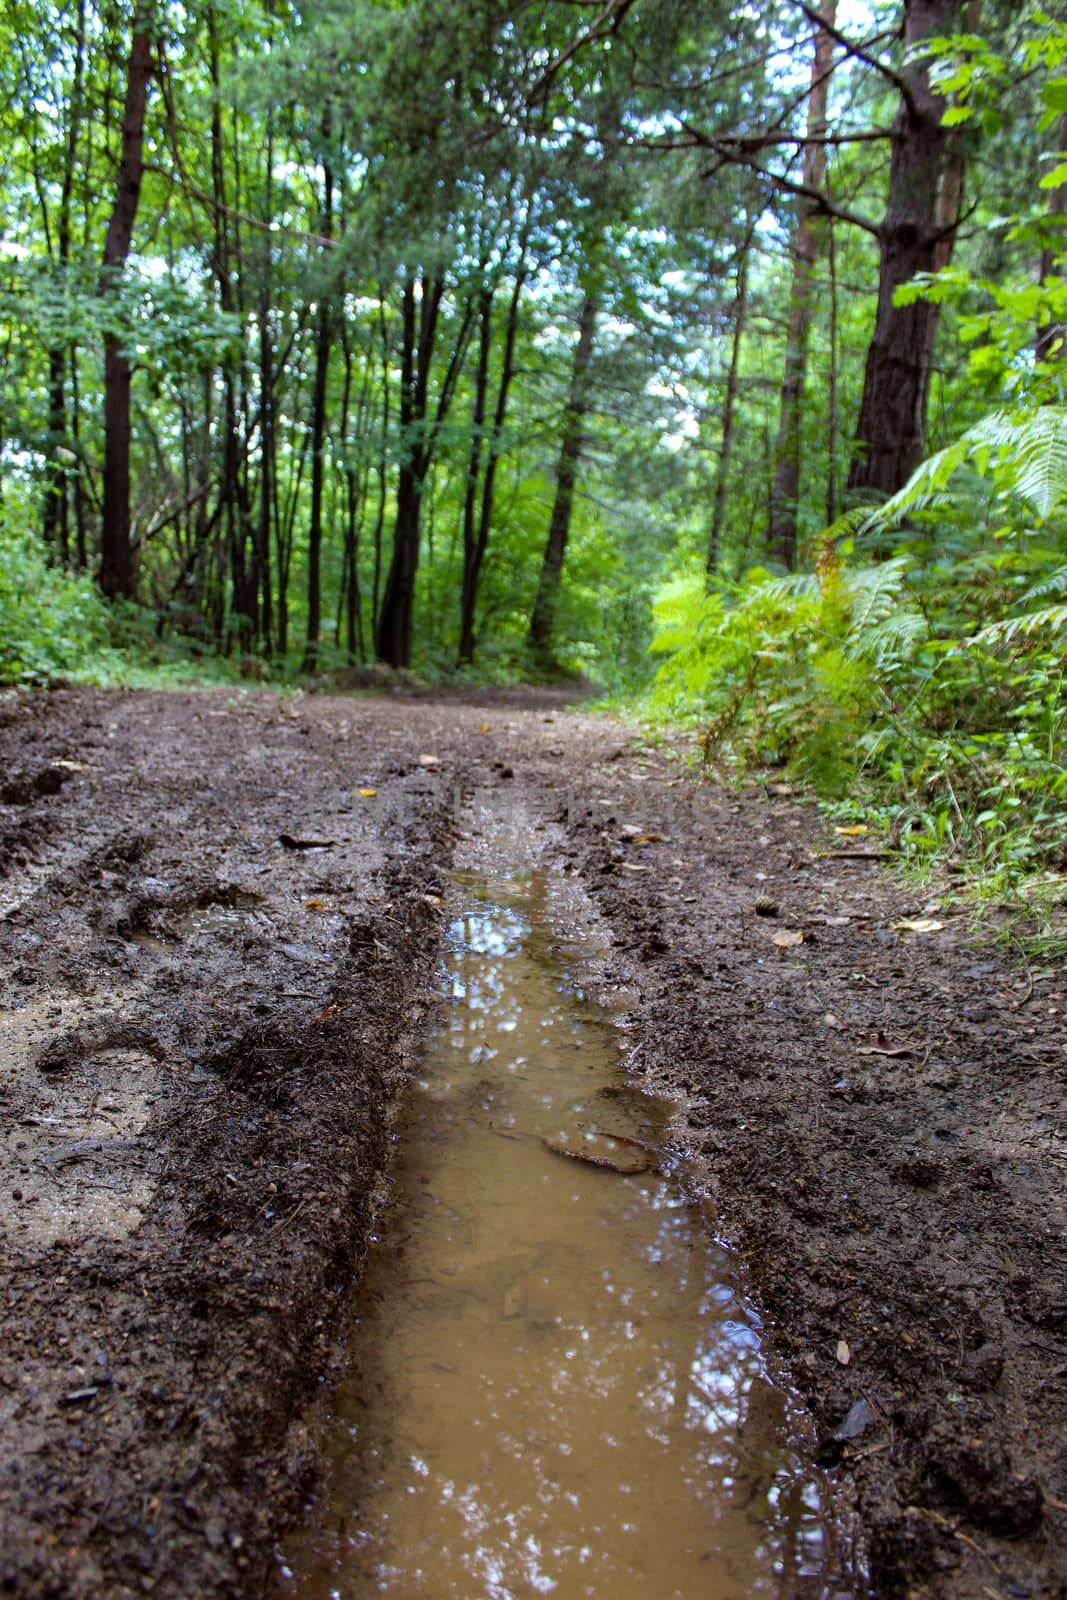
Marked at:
<point>916,679</point>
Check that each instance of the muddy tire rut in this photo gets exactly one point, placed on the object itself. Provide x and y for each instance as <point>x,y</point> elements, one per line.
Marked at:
<point>206,1034</point>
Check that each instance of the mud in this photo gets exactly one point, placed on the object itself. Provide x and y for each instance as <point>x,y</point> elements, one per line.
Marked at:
<point>205,1037</point>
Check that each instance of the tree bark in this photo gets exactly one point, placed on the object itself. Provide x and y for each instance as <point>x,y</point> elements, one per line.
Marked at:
<point>1052,333</point>
<point>831,382</point>
<point>57,500</point>
<point>116,555</point>
<point>323,342</point>
<point>786,492</point>
<point>472,580</point>
<point>543,615</point>
<point>726,446</point>
<point>471,553</point>
<point>418,439</point>
<point>890,434</point>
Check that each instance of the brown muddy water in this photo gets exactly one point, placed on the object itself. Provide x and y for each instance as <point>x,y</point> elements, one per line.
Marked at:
<point>554,1387</point>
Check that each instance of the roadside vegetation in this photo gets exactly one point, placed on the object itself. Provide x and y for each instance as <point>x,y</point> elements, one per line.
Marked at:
<point>713,354</point>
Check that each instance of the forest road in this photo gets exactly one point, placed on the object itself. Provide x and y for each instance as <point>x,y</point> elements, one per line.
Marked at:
<point>219,920</point>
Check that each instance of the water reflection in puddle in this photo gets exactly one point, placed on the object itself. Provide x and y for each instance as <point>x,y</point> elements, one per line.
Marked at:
<point>554,1388</point>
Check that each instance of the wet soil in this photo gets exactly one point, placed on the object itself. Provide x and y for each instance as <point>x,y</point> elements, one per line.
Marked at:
<point>206,1032</point>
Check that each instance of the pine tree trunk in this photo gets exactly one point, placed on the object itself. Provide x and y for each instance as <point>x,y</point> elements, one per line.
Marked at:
<point>471,552</point>
<point>323,341</point>
<point>831,384</point>
<point>419,432</point>
<point>543,616</point>
<point>496,434</point>
<point>1052,333</point>
<point>116,555</point>
<point>57,504</point>
<point>890,434</point>
<point>726,446</point>
<point>786,493</point>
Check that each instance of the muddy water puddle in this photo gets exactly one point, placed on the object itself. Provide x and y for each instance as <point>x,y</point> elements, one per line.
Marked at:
<point>554,1386</point>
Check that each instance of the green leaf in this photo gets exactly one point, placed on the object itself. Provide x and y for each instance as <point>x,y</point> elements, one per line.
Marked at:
<point>1056,178</point>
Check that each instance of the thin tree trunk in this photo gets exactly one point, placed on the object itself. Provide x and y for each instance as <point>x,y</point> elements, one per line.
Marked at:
<point>472,576</point>
<point>418,435</point>
<point>81,532</point>
<point>267,468</point>
<point>949,211</point>
<point>116,555</point>
<point>831,381</point>
<point>783,529</point>
<point>323,342</point>
<point>383,468</point>
<point>1052,333</point>
<point>543,615</point>
<point>243,594</point>
<point>57,500</point>
<point>890,434</point>
<point>469,585</point>
<point>718,507</point>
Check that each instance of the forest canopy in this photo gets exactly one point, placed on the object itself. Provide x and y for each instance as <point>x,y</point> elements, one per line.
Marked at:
<point>712,351</point>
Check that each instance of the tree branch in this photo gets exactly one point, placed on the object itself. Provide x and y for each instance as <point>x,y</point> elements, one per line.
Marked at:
<point>860,52</point>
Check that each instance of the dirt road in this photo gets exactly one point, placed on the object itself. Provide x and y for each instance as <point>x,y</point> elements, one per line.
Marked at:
<point>218,925</point>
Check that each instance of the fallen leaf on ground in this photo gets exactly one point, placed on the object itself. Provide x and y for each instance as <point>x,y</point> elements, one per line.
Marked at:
<point>856,831</point>
<point>837,922</point>
<point>919,925</point>
<point>70,766</point>
<point>289,843</point>
<point>429,761</point>
<point>368,794</point>
<point>630,866</point>
<point>876,1044</point>
<point>315,905</point>
<point>787,938</point>
<point>484,728</point>
<point>844,1354</point>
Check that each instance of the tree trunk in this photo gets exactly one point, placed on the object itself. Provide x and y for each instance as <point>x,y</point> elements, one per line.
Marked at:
<point>56,506</point>
<point>116,556</point>
<point>323,341</point>
<point>1052,333</point>
<point>396,619</point>
<point>418,439</point>
<point>786,491</point>
<point>718,508</point>
<point>485,515</point>
<point>831,384</point>
<point>890,434</point>
<point>949,210</point>
<point>543,615</point>
<point>471,555</point>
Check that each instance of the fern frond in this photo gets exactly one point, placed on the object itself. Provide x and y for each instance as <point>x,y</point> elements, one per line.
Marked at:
<point>875,591</point>
<point>1039,459</point>
<point>927,484</point>
<point>1052,620</point>
<point>1055,583</point>
<point>889,641</point>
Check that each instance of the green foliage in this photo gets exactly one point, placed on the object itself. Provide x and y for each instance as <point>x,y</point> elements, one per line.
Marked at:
<point>933,683</point>
<point>55,624</point>
<point>51,623</point>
